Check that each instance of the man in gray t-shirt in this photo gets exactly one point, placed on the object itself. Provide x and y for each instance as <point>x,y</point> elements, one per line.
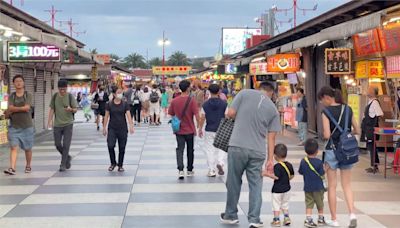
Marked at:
<point>256,124</point>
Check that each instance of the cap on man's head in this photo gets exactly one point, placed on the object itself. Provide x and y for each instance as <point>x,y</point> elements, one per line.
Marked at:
<point>62,83</point>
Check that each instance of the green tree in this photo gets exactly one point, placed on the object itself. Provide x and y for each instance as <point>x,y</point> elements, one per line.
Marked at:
<point>93,51</point>
<point>178,59</point>
<point>155,62</point>
<point>115,58</point>
<point>134,60</point>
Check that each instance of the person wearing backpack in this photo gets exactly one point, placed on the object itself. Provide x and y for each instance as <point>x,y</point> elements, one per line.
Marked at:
<point>155,108</point>
<point>21,131</point>
<point>63,106</point>
<point>137,104</point>
<point>335,112</point>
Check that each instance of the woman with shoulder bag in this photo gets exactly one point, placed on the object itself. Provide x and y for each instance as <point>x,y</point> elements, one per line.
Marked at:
<point>332,101</point>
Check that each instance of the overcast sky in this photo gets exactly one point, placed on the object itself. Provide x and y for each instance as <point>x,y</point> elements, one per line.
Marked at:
<point>193,26</point>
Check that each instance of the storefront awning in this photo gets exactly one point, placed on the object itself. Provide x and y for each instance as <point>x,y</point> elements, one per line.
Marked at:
<point>347,29</point>
<point>62,42</point>
<point>337,32</point>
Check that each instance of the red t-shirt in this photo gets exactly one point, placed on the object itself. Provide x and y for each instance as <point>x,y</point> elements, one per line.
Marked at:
<point>187,122</point>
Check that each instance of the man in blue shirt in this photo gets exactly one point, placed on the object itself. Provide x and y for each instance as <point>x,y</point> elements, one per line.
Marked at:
<point>213,111</point>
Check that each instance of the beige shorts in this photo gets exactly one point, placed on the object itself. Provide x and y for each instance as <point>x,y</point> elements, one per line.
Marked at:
<point>280,201</point>
<point>155,108</point>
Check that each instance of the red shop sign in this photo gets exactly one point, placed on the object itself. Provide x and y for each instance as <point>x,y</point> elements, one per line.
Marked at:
<point>390,37</point>
<point>367,43</point>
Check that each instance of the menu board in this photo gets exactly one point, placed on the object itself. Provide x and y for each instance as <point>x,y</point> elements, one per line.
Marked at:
<point>389,37</point>
<point>337,61</point>
<point>367,43</point>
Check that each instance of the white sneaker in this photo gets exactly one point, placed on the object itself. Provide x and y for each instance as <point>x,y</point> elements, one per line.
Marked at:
<point>190,173</point>
<point>332,223</point>
<point>181,175</point>
<point>212,173</point>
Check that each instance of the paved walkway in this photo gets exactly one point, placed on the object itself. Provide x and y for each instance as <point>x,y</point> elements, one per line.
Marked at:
<point>149,194</point>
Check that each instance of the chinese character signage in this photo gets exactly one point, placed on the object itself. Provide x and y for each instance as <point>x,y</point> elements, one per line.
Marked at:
<point>369,69</point>
<point>171,70</point>
<point>258,68</point>
<point>284,63</point>
<point>393,66</point>
<point>337,61</point>
<point>389,37</point>
<point>367,43</point>
<point>32,52</point>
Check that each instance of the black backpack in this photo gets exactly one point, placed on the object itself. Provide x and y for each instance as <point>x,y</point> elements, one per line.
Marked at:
<point>347,150</point>
<point>53,100</point>
<point>154,98</point>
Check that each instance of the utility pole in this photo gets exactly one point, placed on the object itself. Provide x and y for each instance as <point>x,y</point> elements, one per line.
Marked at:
<point>53,13</point>
<point>12,2</point>
<point>295,7</point>
<point>71,25</point>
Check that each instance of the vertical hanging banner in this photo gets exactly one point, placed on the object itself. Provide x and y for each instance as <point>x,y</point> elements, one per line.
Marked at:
<point>337,61</point>
<point>393,66</point>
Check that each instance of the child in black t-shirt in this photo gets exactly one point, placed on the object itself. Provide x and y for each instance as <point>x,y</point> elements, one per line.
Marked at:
<point>313,173</point>
<point>280,191</point>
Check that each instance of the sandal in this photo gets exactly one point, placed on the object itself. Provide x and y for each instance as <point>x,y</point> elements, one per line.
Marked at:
<point>111,168</point>
<point>10,171</point>
<point>28,169</point>
<point>120,169</point>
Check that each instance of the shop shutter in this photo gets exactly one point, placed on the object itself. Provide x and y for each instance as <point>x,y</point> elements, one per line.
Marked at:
<point>39,104</point>
<point>47,96</point>
<point>29,75</point>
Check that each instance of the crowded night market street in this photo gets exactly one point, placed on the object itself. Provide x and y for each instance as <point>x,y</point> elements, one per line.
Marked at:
<point>175,114</point>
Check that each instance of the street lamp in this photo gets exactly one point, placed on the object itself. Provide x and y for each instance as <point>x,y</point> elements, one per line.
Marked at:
<point>164,42</point>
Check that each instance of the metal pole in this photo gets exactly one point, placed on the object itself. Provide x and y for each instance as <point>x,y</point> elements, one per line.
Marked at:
<point>295,12</point>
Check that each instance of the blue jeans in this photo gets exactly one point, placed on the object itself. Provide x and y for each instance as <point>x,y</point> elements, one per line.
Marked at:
<point>240,160</point>
<point>302,131</point>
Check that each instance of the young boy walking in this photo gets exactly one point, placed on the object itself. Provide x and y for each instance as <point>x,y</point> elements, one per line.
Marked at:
<point>280,191</point>
<point>313,173</point>
<point>212,112</point>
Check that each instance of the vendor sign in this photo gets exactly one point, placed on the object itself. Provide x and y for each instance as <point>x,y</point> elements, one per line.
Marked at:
<point>32,52</point>
<point>171,70</point>
<point>337,61</point>
<point>389,37</point>
<point>104,57</point>
<point>367,43</point>
<point>258,68</point>
<point>369,69</point>
<point>282,63</point>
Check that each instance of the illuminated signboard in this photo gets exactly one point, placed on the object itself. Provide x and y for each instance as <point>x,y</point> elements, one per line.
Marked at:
<point>234,39</point>
<point>284,63</point>
<point>32,52</point>
<point>230,68</point>
<point>369,69</point>
<point>171,70</point>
